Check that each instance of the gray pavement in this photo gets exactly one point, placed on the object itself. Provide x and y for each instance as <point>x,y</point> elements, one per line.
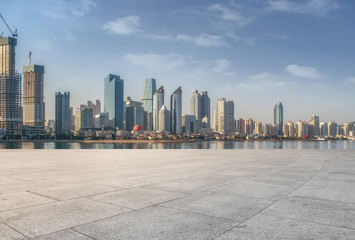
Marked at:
<point>177,194</point>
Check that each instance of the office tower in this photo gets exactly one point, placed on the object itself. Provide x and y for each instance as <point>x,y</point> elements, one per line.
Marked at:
<point>279,117</point>
<point>230,117</point>
<point>158,102</point>
<point>101,120</point>
<point>249,126</point>
<point>346,129</point>
<point>189,124</point>
<point>62,116</point>
<point>215,119</point>
<point>205,104</point>
<point>149,88</point>
<point>241,125</point>
<point>195,104</point>
<point>289,129</point>
<point>164,119</point>
<point>323,129</point>
<point>98,107</point>
<point>33,100</point>
<point>302,129</point>
<point>114,104</point>
<point>258,128</point>
<point>87,118</point>
<point>332,129</point>
<point>134,114</point>
<point>314,129</point>
<point>71,119</point>
<point>221,115</point>
<point>77,119</point>
<point>176,111</point>
<point>10,89</point>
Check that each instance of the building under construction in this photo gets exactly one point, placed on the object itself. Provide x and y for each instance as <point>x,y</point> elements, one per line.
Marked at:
<point>10,89</point>
<point>33,100</point>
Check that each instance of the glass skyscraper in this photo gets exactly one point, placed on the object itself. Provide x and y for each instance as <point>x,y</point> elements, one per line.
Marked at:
<point>176,111</point>
<point>114,104</point>
<point>205,106</point>
<point>279,117</point>
<point>62,116</point>
<point>149,88</point>
<point>158,102</point>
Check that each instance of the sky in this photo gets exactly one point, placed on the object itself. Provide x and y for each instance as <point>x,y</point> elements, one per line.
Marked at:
<point>255,53</point>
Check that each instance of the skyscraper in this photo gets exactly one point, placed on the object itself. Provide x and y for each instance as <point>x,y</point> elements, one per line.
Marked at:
<point>221,115</point>
<point>98,107</point>
<point>205,106</point>
<point>134,113</point>
<point>314,127</point>
<point>176,111</point>
<point>158,102</point>
<point>164,119</point>
<point>149,88</point>
<point>62,116</point>
<point>114,104</point>
<point>33,100</point>
<point>332,129</point>
<point>230,117</point>
<point>195,104</point>
<point>279,117</point>
<point>10,89</point>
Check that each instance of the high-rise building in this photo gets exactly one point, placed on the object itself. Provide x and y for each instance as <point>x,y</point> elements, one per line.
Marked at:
<point>98,107</point>
<point>87,118</point>
<point>188,124</point>
<point>205,104</point>
<point>332,129</point>
<point>279,117</point>
<point>72,119</point>
<point>302,128</point>
<point>62,116</point>
<point>346,129</point>
<point>10,89</point>
<point>323,129</point>
<point>176,111</point>
<point>221,115</point>
<point>114,104</point>
<point>195,104</point>
<point>158,102</point>
<point>289,129</point>
<point>230,128</point>
<point>149,88</point>
<point>314,129</point>
<point>134,114</point>
<point>258,128</point>
<point>33,100</point>
<point>241,125</point>
<point>249,126</point>
<point>77,119</point>
<point>164,119</point>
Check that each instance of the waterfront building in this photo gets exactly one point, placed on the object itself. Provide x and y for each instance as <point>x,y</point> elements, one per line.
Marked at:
<point>114,104</point>
<point>220,116</point>
<point>101,120</point>
<point>332,129</point>
<point>134,114</point>
<point>33,100</point>
<point>87,118</point>
<point>62,116</point>
<point>49,126</point>
<point>98,107</point>
<point>158,102</point>
<point>176,111</point>
<point>279,117</point>
<point>289,129</point>
<point>189,124</point>
<point>77,120</point>
<point>258,128</point>
<point>302,129</point>
<point>205,107</point>
<point>149,88</point>
<point>164,119</point>
<point>71,119</point>
<point>323,129</point>
<point>314,126</point>
<point>195,104</point>
<point>241,125</point>
<point>249,126</point>
<point>230,121</point>
<point>346,129</point>
<point>10,89</point>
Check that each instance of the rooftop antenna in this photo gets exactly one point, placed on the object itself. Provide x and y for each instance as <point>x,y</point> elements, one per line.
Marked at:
<point>30,56</point>
<point>14,33</point>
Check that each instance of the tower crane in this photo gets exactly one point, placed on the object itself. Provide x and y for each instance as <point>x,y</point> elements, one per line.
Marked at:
<point>14,33</point>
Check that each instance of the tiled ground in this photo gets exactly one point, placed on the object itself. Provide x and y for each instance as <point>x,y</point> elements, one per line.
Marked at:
<point>177,194</point>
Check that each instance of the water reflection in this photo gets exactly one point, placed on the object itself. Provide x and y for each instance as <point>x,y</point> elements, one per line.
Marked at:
<point>186,145</point>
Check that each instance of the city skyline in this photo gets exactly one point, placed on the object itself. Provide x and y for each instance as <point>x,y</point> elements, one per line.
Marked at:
<point>247,64</point>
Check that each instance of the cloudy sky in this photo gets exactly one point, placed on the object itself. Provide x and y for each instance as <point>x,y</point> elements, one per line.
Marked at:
<point>255,52</point>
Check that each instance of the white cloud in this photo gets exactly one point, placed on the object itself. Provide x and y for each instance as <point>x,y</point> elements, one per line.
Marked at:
<point>303,71</point>
<point>156,62</point>
<point>83,7</point>
<point>350,80</point>
<point>69,36</point>
<point>63,9</point>
<point>228,14</point>
<point>221,66</point>
<point>204,40</point>
<point>124,26</point>
<point>313,7</point>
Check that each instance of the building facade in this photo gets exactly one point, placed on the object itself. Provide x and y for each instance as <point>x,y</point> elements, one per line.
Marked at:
<point>62,115</point>
<point>205,104</point>
<point>10,89</point>
<point>33,100</point>
<point>158,102</point>
<point>164,119</point>
<point>114,104</point>
<point>279,117</point>
<point>149,88</point>
<point>176,111</point>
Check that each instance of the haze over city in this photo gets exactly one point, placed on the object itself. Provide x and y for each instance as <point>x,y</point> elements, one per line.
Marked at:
<point>255,53</point>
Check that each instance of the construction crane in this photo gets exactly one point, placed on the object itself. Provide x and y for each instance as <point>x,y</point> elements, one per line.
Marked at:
<point>14,33</point>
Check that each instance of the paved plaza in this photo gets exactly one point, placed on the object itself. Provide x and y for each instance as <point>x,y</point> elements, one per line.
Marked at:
<point>177,194</point>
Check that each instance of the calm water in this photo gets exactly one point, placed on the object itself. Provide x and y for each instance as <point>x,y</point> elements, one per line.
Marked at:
<point>191,145</point>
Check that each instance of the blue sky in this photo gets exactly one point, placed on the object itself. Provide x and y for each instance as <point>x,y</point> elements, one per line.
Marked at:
<point>255,52</point>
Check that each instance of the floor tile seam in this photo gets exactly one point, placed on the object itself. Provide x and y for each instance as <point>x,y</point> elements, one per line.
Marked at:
<point>36,205</point>
<point>82,234</point>
<point>321,199</point>
<point>202,214</point>
<point>314,222</point>
<point>266,206</point>
<point>42,195</point>
<point>14,229</point>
